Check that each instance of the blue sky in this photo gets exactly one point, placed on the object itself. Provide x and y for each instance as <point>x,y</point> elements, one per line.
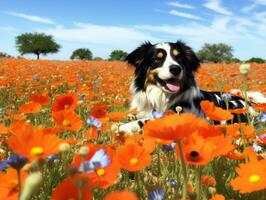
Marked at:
<point>104,25</point>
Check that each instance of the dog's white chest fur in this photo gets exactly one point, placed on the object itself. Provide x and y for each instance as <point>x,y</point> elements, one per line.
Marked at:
<point>152,99</point>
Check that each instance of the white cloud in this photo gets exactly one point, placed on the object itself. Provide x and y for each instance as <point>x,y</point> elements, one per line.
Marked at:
<point>216,6</point>
<point>254,5</point>
<point>31,17</point>
<point>93,33</point>
<point>261,2</point>
<point>180,5</point>
<point>185,15</point>
<point>245,35</point>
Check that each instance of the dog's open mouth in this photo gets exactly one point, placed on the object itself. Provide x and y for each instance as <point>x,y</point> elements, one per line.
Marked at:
<point>172,85</point>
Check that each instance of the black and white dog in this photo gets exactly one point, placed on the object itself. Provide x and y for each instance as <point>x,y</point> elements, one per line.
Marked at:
<point>164,79</point>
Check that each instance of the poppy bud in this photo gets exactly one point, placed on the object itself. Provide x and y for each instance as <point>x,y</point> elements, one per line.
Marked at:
<point>32,185</point>
<point>64,147</point>
<point>244,68</point>
<point>83,151</point>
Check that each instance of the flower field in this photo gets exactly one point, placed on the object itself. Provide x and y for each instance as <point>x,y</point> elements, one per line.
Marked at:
<point>59,137</point>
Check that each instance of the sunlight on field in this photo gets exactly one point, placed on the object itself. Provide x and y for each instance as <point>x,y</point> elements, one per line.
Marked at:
<point>58,129</point>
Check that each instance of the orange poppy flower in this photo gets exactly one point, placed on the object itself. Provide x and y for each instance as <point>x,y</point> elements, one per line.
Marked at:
<point>236,155</point>
<point>148,142</point>
<point>215,113</point>
<point>68,189</point>
<point>32,142</point>
<point>3,129</point>
<point>121,195</point>
<point>102,177</point>
<point>91,133</point>
<point>116,116</point>
<point>67,120</point>
<point>65,102</point>
<point>251,177</point>
<point>31,107</point>
<point>172,127</point>
<point>260,107</point>
<point>199,151</point>
<point>217,197</point>
<point>99,111</point>
<point>234,130</point>
<point>238,111</point>
<point>133,157</point>
<point>208,181</point>
<point>9,187</point>
<point>19,117</point>
<point>42,100</point>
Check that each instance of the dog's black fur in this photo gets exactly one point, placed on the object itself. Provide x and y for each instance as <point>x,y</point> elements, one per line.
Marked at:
<point>150,91</point>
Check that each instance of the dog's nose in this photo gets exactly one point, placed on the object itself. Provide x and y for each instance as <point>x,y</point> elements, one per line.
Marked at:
<point>175,69</point>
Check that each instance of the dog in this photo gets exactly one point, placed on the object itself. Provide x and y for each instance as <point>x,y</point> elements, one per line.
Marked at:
<point>165,79</point>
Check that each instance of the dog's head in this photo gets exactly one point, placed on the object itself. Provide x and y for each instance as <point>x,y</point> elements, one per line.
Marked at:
<point>170,66</point>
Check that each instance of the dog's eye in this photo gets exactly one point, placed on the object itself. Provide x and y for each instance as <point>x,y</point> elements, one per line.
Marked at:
<point>159,55</point>
<point>175,52</point>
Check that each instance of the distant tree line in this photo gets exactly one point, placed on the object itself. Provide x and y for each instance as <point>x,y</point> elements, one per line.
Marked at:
<point>40,43</point>
<point>4,55</point>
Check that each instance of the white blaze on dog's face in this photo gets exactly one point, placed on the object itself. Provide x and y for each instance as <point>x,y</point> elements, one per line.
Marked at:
<point>171,71</point>
<point>168,66</point>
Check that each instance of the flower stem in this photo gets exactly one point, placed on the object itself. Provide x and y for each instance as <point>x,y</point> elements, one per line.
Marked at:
<point>19,183</point>
<point>198,184</point>
<point>184,170</point>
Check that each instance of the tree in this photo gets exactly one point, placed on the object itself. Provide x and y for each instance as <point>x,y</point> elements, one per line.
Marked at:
<point>215,53</point>
<point>118,55</point>
<point>36,43</point>
<point>82,54</point>
<point>256,60</point>
<point>4,55</point>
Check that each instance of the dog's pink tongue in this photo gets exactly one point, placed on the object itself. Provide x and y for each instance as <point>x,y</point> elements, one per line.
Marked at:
<point>173,87</point>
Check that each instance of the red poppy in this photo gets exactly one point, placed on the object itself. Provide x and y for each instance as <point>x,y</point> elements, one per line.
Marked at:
<point>99,111</point>
<point>65,102</point>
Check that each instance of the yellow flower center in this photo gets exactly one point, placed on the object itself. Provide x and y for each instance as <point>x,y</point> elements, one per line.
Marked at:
<point>254,178</point>
<point>133,161</point>
<point>238,133</point>
<point>37,151</point>
<point>66,106</point>
<point>66,122</point>
<point>13,183</point>
<point>100,172</point>
<point>158,140</point>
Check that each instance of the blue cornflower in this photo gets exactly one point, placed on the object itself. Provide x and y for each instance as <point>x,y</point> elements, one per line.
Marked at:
<point>262,117</point>
<point>226,97</point>
<point>100,159</point>
<point>94,122</point>
<point>168,147</point>
<point>257,148</point>
<point>157,115</point>
<point>14,161</point>
<point>157,194</point>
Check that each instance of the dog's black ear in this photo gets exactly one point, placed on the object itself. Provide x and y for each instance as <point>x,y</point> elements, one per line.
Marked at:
<point>136,56</point>
<point>191,58</point>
